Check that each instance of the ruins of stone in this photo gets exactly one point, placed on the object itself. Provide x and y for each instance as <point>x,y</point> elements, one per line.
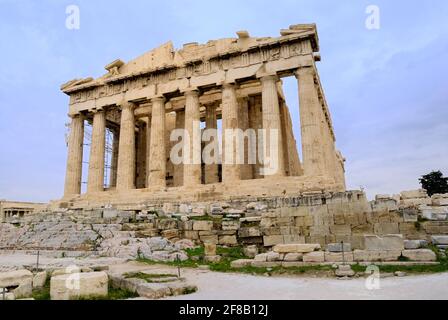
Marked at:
<point>142,205</point>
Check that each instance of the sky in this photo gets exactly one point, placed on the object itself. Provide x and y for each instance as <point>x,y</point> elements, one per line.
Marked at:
<point>387,88</point>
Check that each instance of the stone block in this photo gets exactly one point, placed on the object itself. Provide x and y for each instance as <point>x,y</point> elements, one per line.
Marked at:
<point>209,249</point>
<point>338,247</point>
<point>230,225</point>
<point>272,256</point>
<point>265,264</point>
<point>261,257</point>
<point>249,232</point>
<point>420,255</point>
<point>296,248</point>
<point>290,257</point>
<point>21,279</point>
<point>110,213</point>
<point>318,256</point>
<point>193,235</point>
<point>250,251</point>
<point>387,242</point>
<point>344,271</point>
<point>337,257</point>
<point>203,225</point>
<point>241,263</point>
<point>367,255</point>
<point>40,279</point>
<point>76,285</point>
<point>440,240</point>
<point>386,228</point>
<point>272,240</point>
<point>414,244</point>
<point>228,240</point>
<point>212,259</point>
<point>439,200</point>
<point>411,194</point>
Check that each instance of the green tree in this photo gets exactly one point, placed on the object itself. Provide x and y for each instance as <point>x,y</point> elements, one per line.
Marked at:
<point>434,182</point>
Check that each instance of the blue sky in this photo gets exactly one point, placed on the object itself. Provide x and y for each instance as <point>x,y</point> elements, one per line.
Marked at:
<point>387,89</point>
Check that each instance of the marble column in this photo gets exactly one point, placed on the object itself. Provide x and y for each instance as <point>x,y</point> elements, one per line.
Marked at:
<point>148,148</point>
<point>157,154</point>
<point>273,141</point>
<point>178,179</point>
<point>126,149</point>
<point>256,123</point>
<point>114,160</point>
<point>75,152</point>
<point>243,124</point>
<point>310,124</point>
<point>141,155</point>
<point>211,123</point>
<point>95,182</point>
<point>192,166</point>
<point>230,166</point>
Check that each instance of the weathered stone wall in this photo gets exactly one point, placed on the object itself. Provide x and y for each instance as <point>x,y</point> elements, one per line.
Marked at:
<point>318,218</point>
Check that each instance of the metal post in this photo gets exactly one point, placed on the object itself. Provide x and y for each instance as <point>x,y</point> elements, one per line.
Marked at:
<point>178,265</point>
<point>4,293</point>
<point>343,255</point>
<point>37,263</point>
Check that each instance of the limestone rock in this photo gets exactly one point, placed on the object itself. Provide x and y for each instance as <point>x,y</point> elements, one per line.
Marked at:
<point>272,256</point>
<point>420,255</point>
<point>291,257</point>
<point>376,255</point>
<point>338,257</point>
<point>296,248</point>
<point>344,270</point>
<point>440,240</point>
<point>203,225</point>
<point>241,263</point>
<point>22,279</point>
<point>210,249</point>
<point>318,256</point>
<point>261,257</point>
<point>387,242</point>
<point>212,259</point>
<point>76,285</point>
<point>250,251</point>
<point>414,244</point>
<point>337,247</point>
<point>40,279</point>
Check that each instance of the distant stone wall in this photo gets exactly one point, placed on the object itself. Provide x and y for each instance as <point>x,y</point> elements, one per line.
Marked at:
<point>314,218</point>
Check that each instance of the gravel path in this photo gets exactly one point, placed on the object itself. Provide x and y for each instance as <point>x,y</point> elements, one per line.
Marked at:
<point>223,286</point>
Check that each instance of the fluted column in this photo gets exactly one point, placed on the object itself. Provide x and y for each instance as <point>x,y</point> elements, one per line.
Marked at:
<point>179,168</point>
<point>114,160</point>
<point>95,182</point>
<point>310,124</point>
<point>272,139</point>
<point>243,124</point>
<point>126,152</point>
<point>230,166</point>
<point>148,148</point>
<point>256,123</point>
<point>192,166</point>
<point>74,160</point>
<point>211,125</point>
<point>157,157</point>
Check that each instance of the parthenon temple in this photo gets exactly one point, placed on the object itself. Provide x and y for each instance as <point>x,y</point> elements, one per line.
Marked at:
<point>233,83</point>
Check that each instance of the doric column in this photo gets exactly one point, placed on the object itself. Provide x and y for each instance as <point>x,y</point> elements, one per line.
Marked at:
<point>230,166</point>
<point>157,157</point>
<point>141,155</point>
<point>126,150</point>
<point>114,160</point>
<point>192,166</point>
<point>95,182</point>
<point>75,152</point>
<point>310,124</point>
<point>178,179</point>
<point>211,123</point>
<point>272,143</point>
<point>243,124</point>
<point>256,123</point>
<point>148,148</point>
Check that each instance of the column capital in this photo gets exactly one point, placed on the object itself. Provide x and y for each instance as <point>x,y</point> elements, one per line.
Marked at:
<point>304,71</point>
<point>191,92</point>
<point>74,115</point>
<point>228,85</point>
<point>158,99</point>
<point>97,110</point>
<point>272,77</point>
<point>126,105</point>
